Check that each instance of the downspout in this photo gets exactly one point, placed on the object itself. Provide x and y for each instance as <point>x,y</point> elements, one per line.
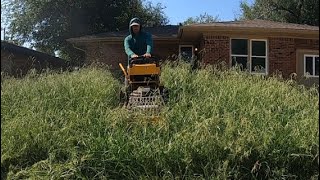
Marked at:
<point>180,35</point>
<point>78,48</point>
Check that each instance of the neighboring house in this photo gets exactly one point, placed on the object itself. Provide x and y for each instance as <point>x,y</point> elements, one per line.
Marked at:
<point>259,46</point>
<point>18,60</point>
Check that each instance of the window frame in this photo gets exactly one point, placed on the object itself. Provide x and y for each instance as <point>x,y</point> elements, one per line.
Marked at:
<point>313,65</point>
<point>186,45</point>
<point>237,55</point>
<point>249,56</point>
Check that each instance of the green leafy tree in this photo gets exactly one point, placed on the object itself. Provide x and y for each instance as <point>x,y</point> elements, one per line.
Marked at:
<point>201,19</point>
<point>291,11</point>
<point>46,24</point>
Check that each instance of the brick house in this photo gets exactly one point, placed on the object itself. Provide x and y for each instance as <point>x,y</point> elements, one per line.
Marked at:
<point>259,46</point>
<point>18,60</point>
<point>108,47</point>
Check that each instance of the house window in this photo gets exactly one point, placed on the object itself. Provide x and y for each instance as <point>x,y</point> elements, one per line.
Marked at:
<point>258,56</point>
<point>186,52</point>
<point>311,65</point>
<point>249,55</point>
<point>239,53</point>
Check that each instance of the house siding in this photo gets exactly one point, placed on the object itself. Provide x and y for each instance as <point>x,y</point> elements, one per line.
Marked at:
<point>166,51</point>
<point>282,57</point>
<point>110,54</point>
<point>6,62</point>
<point>215,49</point>
<point>310,47</point>
<point>18,65</point>
<point>113,54</point>
<point>311,44</point>
<point>281,52</point>
<point>285,44</point>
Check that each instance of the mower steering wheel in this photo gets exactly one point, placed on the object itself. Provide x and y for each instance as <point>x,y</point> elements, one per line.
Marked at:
<point>143,60</point>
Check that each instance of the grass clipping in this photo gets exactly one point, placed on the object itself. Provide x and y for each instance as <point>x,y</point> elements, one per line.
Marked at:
<point>216,125</point>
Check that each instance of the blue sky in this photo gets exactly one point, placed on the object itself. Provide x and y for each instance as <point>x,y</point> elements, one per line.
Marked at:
<point>179,10</point>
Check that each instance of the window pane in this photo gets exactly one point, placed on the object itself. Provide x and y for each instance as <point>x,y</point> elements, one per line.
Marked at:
<point>309,65</point>
<point>258,48</point>
<point>317,66</point>
<point>239,46</point>
<point>240,61</point>
<point>258,65</point>
<point>186,53</point>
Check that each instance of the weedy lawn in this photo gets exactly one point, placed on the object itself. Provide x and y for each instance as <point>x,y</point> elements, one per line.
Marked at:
<point>216,125</point>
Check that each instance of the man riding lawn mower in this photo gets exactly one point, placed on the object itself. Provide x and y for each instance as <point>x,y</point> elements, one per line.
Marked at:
<point>142,77</point>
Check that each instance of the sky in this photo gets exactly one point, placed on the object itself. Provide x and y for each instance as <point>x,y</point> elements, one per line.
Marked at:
<point>178,11</point>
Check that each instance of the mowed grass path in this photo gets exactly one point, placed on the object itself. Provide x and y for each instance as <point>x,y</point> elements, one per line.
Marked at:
<point>216,125</point>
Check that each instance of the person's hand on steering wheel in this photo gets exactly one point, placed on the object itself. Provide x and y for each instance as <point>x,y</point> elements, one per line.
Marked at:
<point>147,55</point>
<point>134,56</point>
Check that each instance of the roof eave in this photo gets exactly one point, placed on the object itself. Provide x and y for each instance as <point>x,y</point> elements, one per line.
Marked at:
<point>246,29</point>
<point>115,39</point>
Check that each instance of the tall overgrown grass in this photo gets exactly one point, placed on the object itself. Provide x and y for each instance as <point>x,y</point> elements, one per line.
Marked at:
<point>216,125</point>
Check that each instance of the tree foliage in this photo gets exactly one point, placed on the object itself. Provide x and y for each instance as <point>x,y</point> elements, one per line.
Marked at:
<point>48,23</point>
<point>291,11</point>
<point>201,19</point>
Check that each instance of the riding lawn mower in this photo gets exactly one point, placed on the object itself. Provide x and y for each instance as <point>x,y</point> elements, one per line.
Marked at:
<point>142,88</point>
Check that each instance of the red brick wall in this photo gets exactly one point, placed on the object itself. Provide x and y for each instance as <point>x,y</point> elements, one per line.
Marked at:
<point>282,53</point>
<point>311,44</point>
<point>282,56</point>
<point>113,54</point>
<point>166,51</point>
<point>215,49</point>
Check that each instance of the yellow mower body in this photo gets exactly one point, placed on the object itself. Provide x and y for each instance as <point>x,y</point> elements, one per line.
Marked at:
<point>143,89</point>
<point>143,69</point>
